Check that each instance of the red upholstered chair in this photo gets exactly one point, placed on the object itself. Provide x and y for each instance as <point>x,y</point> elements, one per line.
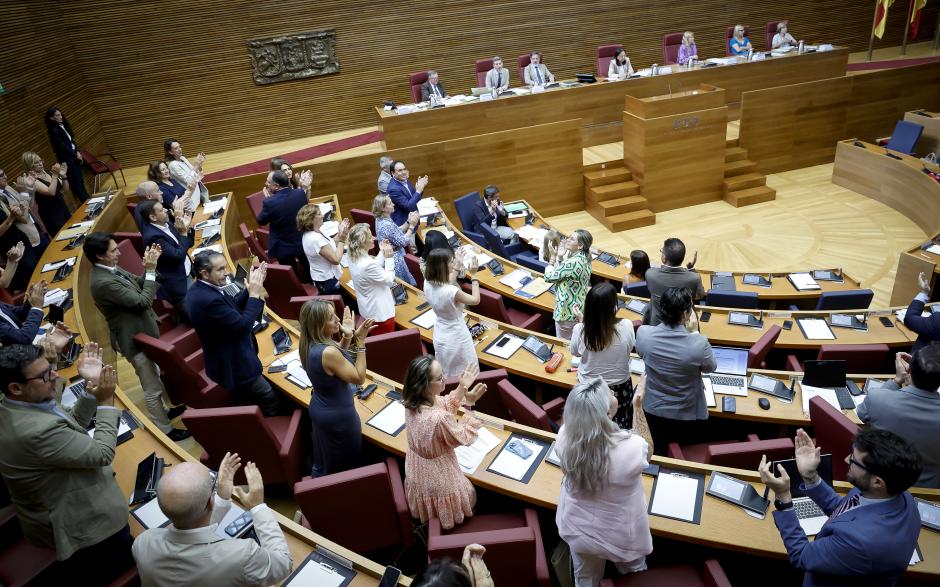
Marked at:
<point>730,33</point>
<point>367,507</point>
<point>770,29</point>
<point>514,551</point>
<point>131,206</point>
<point>522,61</point>
<point>99,167</point>
<point>390,354</point>
<point>182,370</point>
<point>276,444</point>
<point>286,295</point>
<point>135,238</point>
<point>859,358</point>
<point>671,44</point>
<point>482,67</point>
<point>255,201</point>
<point>414,266</point>
<point>757,354</point>
<point>834,434</point>
<point>415,81</point>
<point>20,561</point>
<point>710,575</point>
<point>490,403</point>
<point>253,245</point>
<point>365,216</point>
<point>604,54</point>
<point>528,413</point>
<point>740,455</point>
<point>130,259</point>
<point>491,305</point>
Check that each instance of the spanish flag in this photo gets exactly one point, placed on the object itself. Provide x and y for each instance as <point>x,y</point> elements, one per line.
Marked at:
<point>915,17</point>
<point>881,16</point>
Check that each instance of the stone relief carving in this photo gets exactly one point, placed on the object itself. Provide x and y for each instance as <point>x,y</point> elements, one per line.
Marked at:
<point>287,57</point>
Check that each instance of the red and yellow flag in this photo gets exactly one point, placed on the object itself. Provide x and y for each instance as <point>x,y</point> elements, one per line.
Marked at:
<point>881,16</point>
<point>915,17</point>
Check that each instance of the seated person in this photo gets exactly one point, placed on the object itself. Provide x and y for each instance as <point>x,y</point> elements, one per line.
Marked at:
<point>927,329</point>
<point>739,44</point>
<point>619,67</point>
<point>909,406</point>
<point>783,39</point>
<point>498,77</point>
<point>432,87</point>
<point>639,264</point>
<point>687,50</point>
<point>150,190</point>
<point>535,73</point>
<point>489,210</point>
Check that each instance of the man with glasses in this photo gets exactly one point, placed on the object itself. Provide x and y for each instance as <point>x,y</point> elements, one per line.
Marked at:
<point>60,479</point>
<point>192,551</point>
<point>872,531</point>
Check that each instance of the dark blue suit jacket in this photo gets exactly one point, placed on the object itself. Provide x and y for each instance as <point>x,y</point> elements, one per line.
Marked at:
<point>868,545</point>
<point>280,211</point>
<point>927,329</point>
<point>171,267</point>
<point>404,198</point>
<point>224,325</point>
<point>29,324</point>
<point>481,215</point>
<point>169,212</point>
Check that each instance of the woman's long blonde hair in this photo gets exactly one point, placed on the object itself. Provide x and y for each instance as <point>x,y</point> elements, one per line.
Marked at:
<point>359,241</point>
<point>313,317</point>
<point>589,436</point>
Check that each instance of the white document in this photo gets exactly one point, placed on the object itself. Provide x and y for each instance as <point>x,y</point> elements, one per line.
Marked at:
<point>505,351</point>
<point>150,515</point>
<point>514,279</point>
<point>389,419</point>
<point>314,574</point>
<point>93,201</point>
<point>211,231</point>
<point>57,264</point>
<point>637,365</point>
<point>325,208</point>
<point>214,206</point>
<point>297,371</point>
<point>448,233</point>
<point>675,496</point>
<point>709,393</point>
<point>426,320</point>
<point>122,428</point>
<point>533,234</point>
<point>914,558</point>
<point>512,465</point>
<point>427,206</point>
<point>808,392</point>
<point>935,249</point>
<point>54,297</point>
<point>803,281</point>
<point>208,223</point>
<point>329,229</point>
<point>481,256</point>
<point>816,329</point>
<point>290,357</point>
<point>470,457</point>
<point>216,247</point>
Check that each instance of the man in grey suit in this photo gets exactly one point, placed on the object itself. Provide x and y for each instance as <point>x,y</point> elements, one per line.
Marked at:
<point>909,406</point>
<point>671,274</point>
<point>60,479</point>
<point>126,302</point>
<point>191,551</point>
<point>432,87</point>
<point>535,73</point>
<point>498,77</point>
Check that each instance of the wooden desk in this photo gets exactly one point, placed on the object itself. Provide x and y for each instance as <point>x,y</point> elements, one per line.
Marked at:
<point>930,140</point>
<point>600,106</point>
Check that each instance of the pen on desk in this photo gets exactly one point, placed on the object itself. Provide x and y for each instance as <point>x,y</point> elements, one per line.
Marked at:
<point>482,339</point>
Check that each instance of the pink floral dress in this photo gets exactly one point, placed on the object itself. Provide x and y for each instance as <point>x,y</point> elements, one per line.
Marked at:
<point>434,483</point>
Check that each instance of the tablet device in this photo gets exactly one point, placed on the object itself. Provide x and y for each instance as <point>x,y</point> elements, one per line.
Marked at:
<point>929,514</point>
<point>538,348</point>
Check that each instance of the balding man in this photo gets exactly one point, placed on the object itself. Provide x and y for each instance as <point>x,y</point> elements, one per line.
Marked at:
<point>149,190</point>
<point>433,87</point>
<point>191,551</point>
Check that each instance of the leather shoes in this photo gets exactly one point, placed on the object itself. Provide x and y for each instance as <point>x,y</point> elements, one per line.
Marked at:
<point>174,413</point>
<point>178,434</point>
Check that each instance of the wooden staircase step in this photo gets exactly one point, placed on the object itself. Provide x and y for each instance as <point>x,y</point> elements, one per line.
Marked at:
<point>731,143</point>
<point>740,167</point>
<point>628,220</point>
<point>612,191</point>
<point>621,205</point>
<point>735,154</point>
<point>743,182</point>
<point>749,196</point>
<point>612,174</point>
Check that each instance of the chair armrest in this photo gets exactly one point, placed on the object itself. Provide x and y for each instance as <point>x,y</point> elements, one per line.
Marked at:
<point>675,451</point>
<point>793,364</point>
<point>515,249</point>
<point>536,323</point>
<point>476,237</point>
<point>401,502</point>
<point>714,575</point>
<point>555,409</point>
<point>541,564</point>
<point>292,451</point>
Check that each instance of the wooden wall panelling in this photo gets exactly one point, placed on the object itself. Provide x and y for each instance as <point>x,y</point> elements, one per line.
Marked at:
<point>930,139</point>
<point>174,67</point>
<point>880,99</point>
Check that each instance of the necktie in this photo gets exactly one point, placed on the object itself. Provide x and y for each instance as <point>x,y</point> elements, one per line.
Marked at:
<point>436,91</point>
<point>845,506</point>
<point>538,74</point>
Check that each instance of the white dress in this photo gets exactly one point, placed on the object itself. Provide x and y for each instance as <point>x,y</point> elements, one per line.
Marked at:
<point>453,346</point>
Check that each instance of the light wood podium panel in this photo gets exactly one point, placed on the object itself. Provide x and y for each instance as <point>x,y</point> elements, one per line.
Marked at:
<point>930,139</point>
<point>674,145</point>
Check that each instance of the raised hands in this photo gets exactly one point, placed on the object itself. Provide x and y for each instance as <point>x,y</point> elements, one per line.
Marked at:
<point>56,169</point>
<point>255,494</point>
<point>413,219</point>
<point>230,465</point>
<point>388,251</point>
<point>779,484</point>
<point>363,331</point>
<point>59,336</point>
<point>348,325</point>
<point>343,230</point>
<point>807,457</point>
<point>256,281</point>
<point>306,179</point>
<point>63,168</point>
<point>691,263</point>
<point>923,284</point>
<point>469,375</point>
<point>26,183</point>
<point>36,294</point>
<point>16,253</point>
<point>421,184</point>
<point>104,389</point>
<point>89,364</point>
<point>151,256</point>
<point>200,159</point>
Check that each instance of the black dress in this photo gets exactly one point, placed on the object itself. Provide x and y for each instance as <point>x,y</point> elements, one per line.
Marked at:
<point>52,209</point>
<point>337,429</point>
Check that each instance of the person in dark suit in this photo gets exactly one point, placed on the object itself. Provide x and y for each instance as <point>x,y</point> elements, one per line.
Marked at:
<point>872,531</point>
<point>671,274</point>
<point>489,210</point>
<point>432,87</point>
<point>20,324</point>
<point>280,211</point>
<point>404,194</point>
<point>149,190</point>
<point>224,325</point>
<point>927,329</point>
<point>66,150</point>
<point>175,240</point>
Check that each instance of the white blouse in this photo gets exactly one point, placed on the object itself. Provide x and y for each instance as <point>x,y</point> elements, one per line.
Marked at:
<point>372,279</point>
<point>619,71</point>
<point>320,268</point>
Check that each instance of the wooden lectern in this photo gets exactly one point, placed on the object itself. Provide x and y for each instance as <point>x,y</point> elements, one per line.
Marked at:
<point>674,145</point>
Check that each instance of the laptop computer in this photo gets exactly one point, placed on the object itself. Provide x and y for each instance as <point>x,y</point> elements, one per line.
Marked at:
<point>830,375</point>
<point>811,517</point>
<point>729,376</point>
<point>234,287</point>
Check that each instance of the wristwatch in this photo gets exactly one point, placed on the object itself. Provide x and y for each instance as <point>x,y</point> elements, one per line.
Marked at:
<point>781,506</point>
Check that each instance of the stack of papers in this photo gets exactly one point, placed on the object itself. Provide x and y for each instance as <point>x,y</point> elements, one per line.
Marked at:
<point>815,329</point>
<point>448,233</point>
<point>803,281</point>
<point>533,288</point>
<point>532,234</point>
<point>74,230</point>
<point>390,419</point>
<point>516,279</point>
<point>55,297</point>
<point>215,205</point>
<point>329,229</point>
<point>208,223</point>
<point>470,457</point>
<point>217,247</point>
<point>55,265</point>
<point>325,208</point>
<point>809,392</point>
<point>935,249</point>
<point>295,371</point>
<point>427,206</point>
<point>638,366</point>
<point>722,60</point>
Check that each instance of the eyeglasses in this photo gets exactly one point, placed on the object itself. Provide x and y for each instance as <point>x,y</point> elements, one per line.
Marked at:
<point>46,375</point>
<point>852,461</point>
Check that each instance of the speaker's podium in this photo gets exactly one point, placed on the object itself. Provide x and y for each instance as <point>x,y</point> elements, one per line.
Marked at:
<point>674,146</point>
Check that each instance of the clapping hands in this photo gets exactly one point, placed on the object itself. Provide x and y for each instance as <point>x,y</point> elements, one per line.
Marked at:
<point>151,256</point>
<point>16,253</point>
<point>421,184</point>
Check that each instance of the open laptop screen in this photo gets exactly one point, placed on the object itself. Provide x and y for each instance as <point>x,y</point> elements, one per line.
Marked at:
<point>829,373</point>
<point>730,361</point>
<point>789,465</point>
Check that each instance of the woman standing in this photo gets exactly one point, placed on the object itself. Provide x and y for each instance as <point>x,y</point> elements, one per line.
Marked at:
<point>401,237</point>
<point>572,278</point>
<point>49,200</point>
<point>334,370</point>
<point>184,171</point>
<point>281,164</point>
<point>602,506</point>
<point>639,264</point>
<point>372,278</point>
<point>453,344</point>
<point>323,253</point>
<point>619,67</point>
<point>675,360</point>
<point>604,343</point>
<point>434,484</point>
<point>66,151</point>
<point>159,173</point>
<point>687,50</point>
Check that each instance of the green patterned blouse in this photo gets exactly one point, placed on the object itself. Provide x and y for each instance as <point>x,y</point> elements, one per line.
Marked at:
<point>572,279</point>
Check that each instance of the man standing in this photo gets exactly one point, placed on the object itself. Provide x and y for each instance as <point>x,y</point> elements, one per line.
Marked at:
<point>498,77</point>
<point>224,325</point>
<point>280,211</point>
<point>927,329</point>
<point>404,194</point>
<point>872,531</point>
<point>191,551</point>
<point>433,87</point>
<point>60,479</point>
<point>385,175</point>
<point>173,265</point>
<point>126,302</point>
<point>671,274</point>
<point>490,211</point>
<point>149,190</point>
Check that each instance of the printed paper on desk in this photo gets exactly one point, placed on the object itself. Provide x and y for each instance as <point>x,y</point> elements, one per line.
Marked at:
<point>389,419</point>
<point>675,496</point>
<point>425,320</point>
<point>816,329</point>
<point>536,287</point>
<point>122,428</point>
<point>427,206</point>
<point>803,281</point>
<point>208,223</point>
<point>515,279</point>
<point>314,574</point>
<point>150,515</point>
<point>290,357</point>
<point>637,366</point>
<point>54,296</point>
<point>325,208</point>
<point>809,392</point>
<point>709,393</point>
<point>56,264</point>
<point>512,465</point>
<point>444,230</point>
<point>470,457</point>
<point>935,249</point>
<point>531,233</point>
<point>513,343</point>
<point>216,247</point>
<point>214,206</point>
<point>329,229</point>
<point>296,370</point>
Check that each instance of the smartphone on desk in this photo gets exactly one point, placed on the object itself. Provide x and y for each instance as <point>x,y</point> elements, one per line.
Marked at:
<point>886,321</point>
<point>728,405</point>
<point>277,368</point>
<point>423,306</point>
<point>705,317</point>
<point>390,577</point>
<point>787,324</point>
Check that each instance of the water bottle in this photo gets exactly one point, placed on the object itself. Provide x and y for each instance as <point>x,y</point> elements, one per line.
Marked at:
<point>799,48</point>
<point>750,54</point>
<point>654,69</point>
<point>691,63</point>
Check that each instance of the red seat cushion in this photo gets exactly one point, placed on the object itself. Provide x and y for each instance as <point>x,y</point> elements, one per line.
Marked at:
<point>675,576</point>
<point>22,562</point>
